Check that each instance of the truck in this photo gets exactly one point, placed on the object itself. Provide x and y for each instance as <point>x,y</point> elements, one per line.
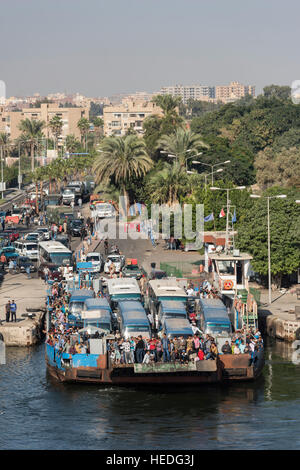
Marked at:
<point>102,209</point>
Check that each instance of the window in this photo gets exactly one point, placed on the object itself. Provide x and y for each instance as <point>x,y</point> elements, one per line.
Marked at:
<point>132,115</point>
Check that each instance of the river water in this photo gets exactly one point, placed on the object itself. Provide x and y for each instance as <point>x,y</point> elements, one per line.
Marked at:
<point>36,413</point>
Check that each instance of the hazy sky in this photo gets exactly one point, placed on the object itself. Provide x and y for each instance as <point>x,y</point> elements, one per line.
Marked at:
<point>101,47</point>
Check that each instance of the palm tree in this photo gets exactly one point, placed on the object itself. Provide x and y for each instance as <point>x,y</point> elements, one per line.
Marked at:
<point>122,158</point>
<point>38,176</point>
<point>72,144</point>
<point>167,103</point>
<point>83,126</point>
<point>183,143</point>
<point>56,125</point>
<point>32,130</point>
<point>98,125</point>
<point>168,185</point>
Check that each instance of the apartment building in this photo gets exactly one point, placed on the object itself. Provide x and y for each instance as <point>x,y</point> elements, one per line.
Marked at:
<point>128,115</point>
<point>186,92</point>
<point>234,91</point>
<point>10,120</point>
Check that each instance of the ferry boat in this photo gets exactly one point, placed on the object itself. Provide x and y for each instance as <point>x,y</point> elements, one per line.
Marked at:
<point>96,367</point>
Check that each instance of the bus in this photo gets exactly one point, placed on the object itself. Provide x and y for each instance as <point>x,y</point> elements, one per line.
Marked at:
<point>54,252</point>
<point>122,289</point>
<point>163,289</point>
<point>171,309</point>
<point>214,319</point>
<point>97,312</point>
<point>133,319</point>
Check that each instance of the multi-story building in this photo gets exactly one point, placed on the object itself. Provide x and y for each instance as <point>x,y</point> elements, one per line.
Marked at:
<point>10,120</point>
<point>226,93</point>
<point>128,115</point>
<point>186,92</point>
<point>234,91</point>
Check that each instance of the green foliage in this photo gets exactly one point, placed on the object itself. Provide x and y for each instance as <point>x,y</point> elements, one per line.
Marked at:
<point>183,143</point>
<point>284,233</point>
<point>122,159</point>
<point>278,168</point>
<point>281,92</point>
<point>195,108</point>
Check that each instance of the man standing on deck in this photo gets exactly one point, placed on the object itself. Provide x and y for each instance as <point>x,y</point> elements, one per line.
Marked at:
<point>13,311</point>
<point>166,348</point>
<point>7,311</point>
<point>140,350</point>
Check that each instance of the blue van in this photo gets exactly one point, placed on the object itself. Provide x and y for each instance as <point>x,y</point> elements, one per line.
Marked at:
<point>78,297</point>
<point>214,319</point>
<point>97,312</point>
<point>133,319</point>
<point>176,327</point>
<point>171,309</point>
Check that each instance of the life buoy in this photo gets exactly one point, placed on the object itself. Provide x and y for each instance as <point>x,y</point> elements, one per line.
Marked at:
<point>228,285</point>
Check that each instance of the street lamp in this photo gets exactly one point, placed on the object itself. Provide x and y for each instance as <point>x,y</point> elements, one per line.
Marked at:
<point>214,188</point>
<point>279,196</point>
<point>212,167</point>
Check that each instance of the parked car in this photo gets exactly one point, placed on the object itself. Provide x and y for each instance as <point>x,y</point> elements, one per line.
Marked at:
<point>133,270</point>
<point>75,227</point>
<point>9,252</point>
<point>33,237</point>
<point>157,274</point>
<point>23,262</point>
<point>54,274</point>
<point>117,260</point>
<point>96,260</point>
<point>44,231</point>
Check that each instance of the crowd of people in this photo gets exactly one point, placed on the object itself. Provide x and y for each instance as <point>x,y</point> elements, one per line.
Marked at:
<point>66,338</point>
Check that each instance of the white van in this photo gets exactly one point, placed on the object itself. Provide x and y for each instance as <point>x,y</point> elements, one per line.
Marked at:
<point>27,248</point>
<point>96,259</point>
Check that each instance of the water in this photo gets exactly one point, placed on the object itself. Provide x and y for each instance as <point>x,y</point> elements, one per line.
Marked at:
<point>36,413</point>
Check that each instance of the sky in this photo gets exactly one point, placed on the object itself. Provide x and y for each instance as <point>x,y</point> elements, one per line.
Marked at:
<point>103,47</point>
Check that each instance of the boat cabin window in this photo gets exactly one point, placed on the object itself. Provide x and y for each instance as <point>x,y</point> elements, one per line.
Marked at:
<point>226,267</point>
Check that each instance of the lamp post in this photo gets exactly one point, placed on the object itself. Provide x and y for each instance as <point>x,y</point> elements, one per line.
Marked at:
<point>171,155</point>
<point>279,196</point>
<point>214,188</point>
<point>212,167</point>
<point>2,182</point>
<point>200,174</point>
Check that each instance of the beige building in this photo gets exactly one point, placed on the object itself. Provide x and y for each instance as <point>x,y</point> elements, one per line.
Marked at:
<point>10,120</point>
<point>234,91</point>
<point>128,115</point>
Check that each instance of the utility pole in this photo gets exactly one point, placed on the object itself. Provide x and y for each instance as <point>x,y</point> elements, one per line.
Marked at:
<point>19,173</point>
<point>269,253</point>
<point>227,220</point>
<point>2,182</point>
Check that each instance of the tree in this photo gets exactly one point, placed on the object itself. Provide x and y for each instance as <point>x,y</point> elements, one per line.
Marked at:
<point>167,186</point>
<point>282,168</point>
<point>282,92</point>
<point>284,234</point>
<point>167,103</point>
<point>56,125</point>
<point>84,127</point>
<point>121,159</point>
<point>72,144</point>
<point>98,125</point>
<point>32,131</point>
<point>182,144</point>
